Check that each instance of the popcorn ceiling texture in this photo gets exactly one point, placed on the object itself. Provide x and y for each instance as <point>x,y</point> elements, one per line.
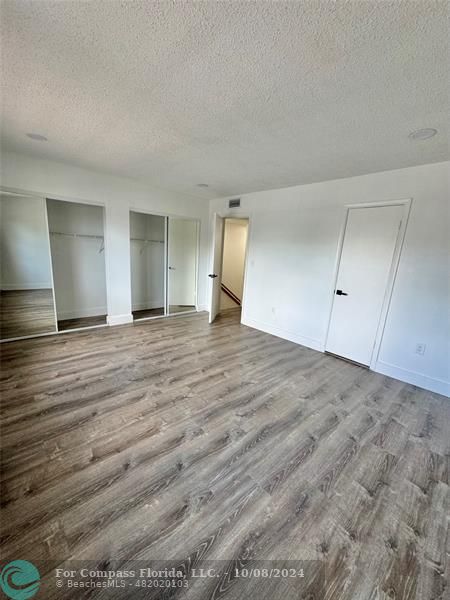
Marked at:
<point>244,96</point>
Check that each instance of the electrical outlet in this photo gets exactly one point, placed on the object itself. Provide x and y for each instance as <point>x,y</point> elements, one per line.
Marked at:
<point>420,348</point>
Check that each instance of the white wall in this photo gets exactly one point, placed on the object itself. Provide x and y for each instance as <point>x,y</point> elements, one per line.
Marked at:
<point>78,262</point>
<point>24,245</point>
<point>292,250</point>
<point>235,241</point>
<point>118,195</point>
<point>147,260</point>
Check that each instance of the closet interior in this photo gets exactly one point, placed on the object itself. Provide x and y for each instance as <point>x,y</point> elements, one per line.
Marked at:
<point>27,306</point>
<point>164,253</point>
<point>148,260</point>
<point>78,261</point>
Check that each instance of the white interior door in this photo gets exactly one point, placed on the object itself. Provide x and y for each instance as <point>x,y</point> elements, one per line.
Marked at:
<point>216,267</point>
<point>367,254</point>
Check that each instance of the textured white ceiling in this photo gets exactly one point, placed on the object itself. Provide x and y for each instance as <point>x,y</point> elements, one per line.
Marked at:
<point>243,96</point>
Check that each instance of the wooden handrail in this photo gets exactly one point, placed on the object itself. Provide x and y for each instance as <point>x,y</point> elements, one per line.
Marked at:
<point>230,294</point>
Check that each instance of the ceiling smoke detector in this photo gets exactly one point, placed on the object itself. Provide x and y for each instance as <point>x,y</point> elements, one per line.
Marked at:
<point>37,137</point>
<point>423,134</point>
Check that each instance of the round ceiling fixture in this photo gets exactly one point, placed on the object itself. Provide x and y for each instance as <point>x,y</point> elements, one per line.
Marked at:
<point>37,137</point>
<point>202,185</point>
<point>423,134</point>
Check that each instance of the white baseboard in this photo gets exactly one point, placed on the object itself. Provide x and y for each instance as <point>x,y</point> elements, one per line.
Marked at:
<point>283,333</point>
<point>9,287</point>
<point>440,386</point>
<point>85,312</point>
<point>119,319</point>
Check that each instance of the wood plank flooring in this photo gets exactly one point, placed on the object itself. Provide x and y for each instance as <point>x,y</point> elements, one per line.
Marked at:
<point>26,312</point>
<point>175,439</point>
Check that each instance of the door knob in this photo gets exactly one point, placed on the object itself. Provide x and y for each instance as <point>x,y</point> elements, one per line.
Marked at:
<point>212,275</point>
<point>341,293</point>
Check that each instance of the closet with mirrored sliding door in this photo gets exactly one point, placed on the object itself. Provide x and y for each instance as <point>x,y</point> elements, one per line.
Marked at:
<point>78,260</point>
<point>164,254</point>
<point>148,265</point>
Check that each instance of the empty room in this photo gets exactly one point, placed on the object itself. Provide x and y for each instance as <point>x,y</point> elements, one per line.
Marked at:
<point>225,299</point>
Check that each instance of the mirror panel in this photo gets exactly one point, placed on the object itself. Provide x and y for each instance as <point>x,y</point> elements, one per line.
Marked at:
<point>148,256</point>
<point>182,265</point>
<point>78,259</point>
<point>27,305</point>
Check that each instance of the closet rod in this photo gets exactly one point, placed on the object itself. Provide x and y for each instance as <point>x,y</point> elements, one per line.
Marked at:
<point>83,235</point>
<point>144,240</point>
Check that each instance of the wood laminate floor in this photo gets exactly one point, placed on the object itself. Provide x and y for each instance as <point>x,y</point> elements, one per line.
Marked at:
<point>174,439</point>
<point>26,312</point>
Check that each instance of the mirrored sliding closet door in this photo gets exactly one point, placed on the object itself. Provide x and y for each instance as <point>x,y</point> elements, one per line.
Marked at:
<point>78,259</point>
<point>148,260</point>
<point>163,254</point>
<point>26,289</point>
<point>182,265</point>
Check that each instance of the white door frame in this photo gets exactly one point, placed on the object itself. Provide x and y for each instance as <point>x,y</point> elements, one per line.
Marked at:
<point>232,215</point>
<point>406,203</point>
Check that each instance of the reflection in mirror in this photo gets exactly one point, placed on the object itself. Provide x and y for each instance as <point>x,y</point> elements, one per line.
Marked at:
<point>147,248</point>
<point>26,292</point>
<point>78,259</point>
<point>182,265</point>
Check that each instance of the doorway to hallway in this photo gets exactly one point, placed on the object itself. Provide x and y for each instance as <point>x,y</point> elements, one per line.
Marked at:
<point>233,263</point>
<point>229,258</point>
